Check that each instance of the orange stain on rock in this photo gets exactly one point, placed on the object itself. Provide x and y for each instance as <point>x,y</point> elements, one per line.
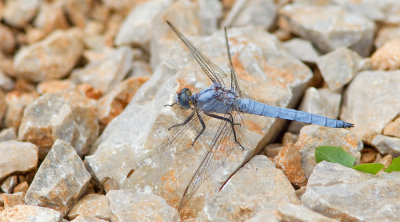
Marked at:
<point>280,77</point>
<point>252,126</point>
<point>169,186</point>
<point>240,70</point>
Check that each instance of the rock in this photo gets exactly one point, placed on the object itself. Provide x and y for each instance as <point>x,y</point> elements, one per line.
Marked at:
<point>78,11</point>
<point>7,40</point>
<point>51,17</point>
<point>19,13</point>
<point>137,28</point>
<point>349,195</point>
<point>256,12</point>
<point>301,49</point>
<point>393,128</point>
<point>6,83</point>
<point>147,207</point>
<point>22,187</point>
<point>54,86</point>
<point>210,11</point>
<point>385,34</point>
<point>60,180</point>
<point>89,91</point>
<point>369,155</point>
<point>313,136</point>
<point>387,57</point>
<point>140,68</point>
<point>91,205</point>
<point>129,138</point>
<point>239,200</point>
<point>30,213</point>
<point>330,27</point>
<point>11,200</point>
<point>289,161</point>
<point>3,105</point>
<point>386,144</point>
<point>66,115</point>
<point>106,73</point>
<point>272,150</point>
<point>120,4</point>
<point>112,104</point>
<point>87,219</point>
<point>8,134</point>
<point>317,101</point>
<point>51,58</point>
<point>16,103</point>
<point>299,213</point>
<point>17,157</point>
<point>8,184</point>
<point>371,110</point>
<point>340,66</point>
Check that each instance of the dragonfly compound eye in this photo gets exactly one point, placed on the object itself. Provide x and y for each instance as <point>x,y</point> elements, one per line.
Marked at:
<point>184,98</point>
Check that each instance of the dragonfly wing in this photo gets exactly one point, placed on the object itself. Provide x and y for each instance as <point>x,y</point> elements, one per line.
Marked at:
<point>221,147</point>
<point>234,82</point>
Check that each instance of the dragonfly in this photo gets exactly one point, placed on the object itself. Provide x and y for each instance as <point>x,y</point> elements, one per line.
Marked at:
<point>223,102</point>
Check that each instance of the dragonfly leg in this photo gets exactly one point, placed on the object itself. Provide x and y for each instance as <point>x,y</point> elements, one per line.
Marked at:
<point>231,117</point>
<point>170,105</point>
<point>202,124</point>
<point>229,121</point>
<point>184,122</point>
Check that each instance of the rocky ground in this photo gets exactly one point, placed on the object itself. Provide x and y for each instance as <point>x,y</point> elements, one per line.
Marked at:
<point>83,84</point>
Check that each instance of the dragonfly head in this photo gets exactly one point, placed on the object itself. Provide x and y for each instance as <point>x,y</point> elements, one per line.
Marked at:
<point>184,99</point>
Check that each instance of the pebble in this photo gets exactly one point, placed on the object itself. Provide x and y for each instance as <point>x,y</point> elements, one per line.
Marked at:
<point>7,40</point>
<point>293,212</point>
<point>19,13</point>
<point>16,103</point>
<point>11,200</point>
<point>17,157</point>
<point>8,184</point>
<point>301,49</point>
<point>289,161</point>
<point>386,33</point>
<point>53,86</point>
<point>393,128</point>
<point>91,205</point>
<point>51,17</point>
<point>387,145</point>
<point>387,57</point>
<point>60,180</point>
<point>30,213</point>
<point>6,83</point>
<point>52,58</point>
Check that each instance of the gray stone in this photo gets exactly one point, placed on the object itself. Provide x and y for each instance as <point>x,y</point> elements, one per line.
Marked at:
<point>330,27</point>
<point>128,205</point>
<point>371,110</point>
<point>91,205</point>
<point>66,115</point>
<point>105,73</point>
<point>17,157</point>
<point>318,101</point>
<point>301,49</point>
<point>51,58</point>
<point>30,214</point>
<point>138,26</point>
<point>6,83</point>
<point>18,13</point>
<point>313,136</point>
<point>8,134</point>
<point>265,72</point>
<point>349,195</point>
<point>251,12</point>
<point>140,68</point>
<point>299,213</point>
<point>210,11</point>
<point>387,144</point>
<point>60,180</point>
<point>340,66</point>
<point>240,199</point>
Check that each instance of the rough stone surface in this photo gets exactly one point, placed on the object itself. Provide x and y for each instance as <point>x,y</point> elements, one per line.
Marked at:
<point>371,110</point>
<point>393,128</point>
<point>387,57</point>
<point>239,200</point>
<point>313,136</point>
<point>210,11</point>
<point>7,40</point>
<point>78,11</point>
<point>112,104</point>
<point>19,12</point>
<point>51,58</point>
<point>22,187</point>
<point>8,184</point>
<point>330,27</point>
<point>340,66</point>
<point>51,17</point>
<point>6,83</point>
<point>17,157</point>
<point>385,34</point>
<point>53,86</point>
<point>349,195</point>
<point>11,200</point>
<point>386,144</point>
<point>67,115</point>
<point>301,49</point>
<point>140,69</point>
<point>299,213</point>
<point>318,101</point>
<point>289,161</point>
<point>60,179</point>
<point>137,28</point>
<point>30,214</point>
<point>147,207</point>
<point>87,219</point>
<point>104,74</point>
<point>278,80</point>
<point>256,12</point>
<point>16,103</point>
<point>94,205</point>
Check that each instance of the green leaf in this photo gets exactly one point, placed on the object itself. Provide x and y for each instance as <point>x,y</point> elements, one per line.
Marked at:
<point>394,166</point>
<point>372,168</point>
<point>334,154</point>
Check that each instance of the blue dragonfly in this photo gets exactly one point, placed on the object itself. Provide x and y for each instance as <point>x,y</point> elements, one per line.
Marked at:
<point>223,102</point>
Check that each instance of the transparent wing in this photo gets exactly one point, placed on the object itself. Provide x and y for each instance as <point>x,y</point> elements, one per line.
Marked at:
<point>221,147</point>
<point>215,73</point>
<point>234,82</point>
